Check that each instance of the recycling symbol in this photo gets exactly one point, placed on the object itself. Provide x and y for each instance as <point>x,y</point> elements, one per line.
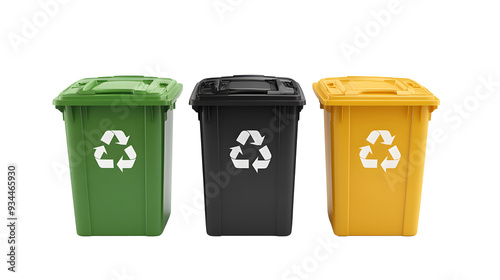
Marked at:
<point>122,140</point>
<point>387,140</point>
<point>257,141</point>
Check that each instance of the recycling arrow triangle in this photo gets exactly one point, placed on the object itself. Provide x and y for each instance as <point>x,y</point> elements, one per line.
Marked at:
<point>122,141</point>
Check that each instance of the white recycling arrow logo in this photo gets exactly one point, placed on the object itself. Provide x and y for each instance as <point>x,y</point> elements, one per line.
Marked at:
<point>123,141</point>
<point>387,140</point>
<point>257,140</point>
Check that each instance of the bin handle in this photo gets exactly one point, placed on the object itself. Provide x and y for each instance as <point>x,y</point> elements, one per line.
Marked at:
<point>281,89</point>
<point>379,91</point>
<point>134,87</point>
<point>399,89</point>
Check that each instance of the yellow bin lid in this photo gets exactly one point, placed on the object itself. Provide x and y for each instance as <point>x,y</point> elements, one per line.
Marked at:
<point>372,91</point>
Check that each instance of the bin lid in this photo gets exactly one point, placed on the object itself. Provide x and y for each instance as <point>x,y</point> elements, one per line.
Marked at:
<point>120,91</point>
<point>247,90</point>
<point>372,91</point>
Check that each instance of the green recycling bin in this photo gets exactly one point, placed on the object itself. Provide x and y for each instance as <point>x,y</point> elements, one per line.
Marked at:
<point>119,136</point>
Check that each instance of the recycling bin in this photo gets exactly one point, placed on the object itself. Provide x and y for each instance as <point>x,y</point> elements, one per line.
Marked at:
<point>376,135</point>
<point>249,139</point>
<point>119,137</point>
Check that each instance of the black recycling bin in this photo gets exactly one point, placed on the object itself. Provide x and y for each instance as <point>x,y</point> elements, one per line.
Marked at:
<point>249,140</point>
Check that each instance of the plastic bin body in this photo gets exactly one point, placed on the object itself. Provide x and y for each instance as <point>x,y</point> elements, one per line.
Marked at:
<point>243,194</point>
<point>115,113</point>
<point>376,135</point>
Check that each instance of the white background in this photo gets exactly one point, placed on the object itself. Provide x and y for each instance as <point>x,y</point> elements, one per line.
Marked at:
<point>447,46</point>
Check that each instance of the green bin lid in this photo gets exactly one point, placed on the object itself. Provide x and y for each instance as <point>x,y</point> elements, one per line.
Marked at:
<point>120,91</point>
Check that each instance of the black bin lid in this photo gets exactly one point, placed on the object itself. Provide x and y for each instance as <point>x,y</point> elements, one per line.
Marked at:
<point>247,90</point>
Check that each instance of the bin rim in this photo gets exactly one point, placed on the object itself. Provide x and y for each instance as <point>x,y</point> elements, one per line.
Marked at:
<point>342,91</point>
<point>120,91</point>
<point>223,95</point>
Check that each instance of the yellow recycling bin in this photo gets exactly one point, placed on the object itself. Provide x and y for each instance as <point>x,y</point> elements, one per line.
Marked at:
<point>376,134</point>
